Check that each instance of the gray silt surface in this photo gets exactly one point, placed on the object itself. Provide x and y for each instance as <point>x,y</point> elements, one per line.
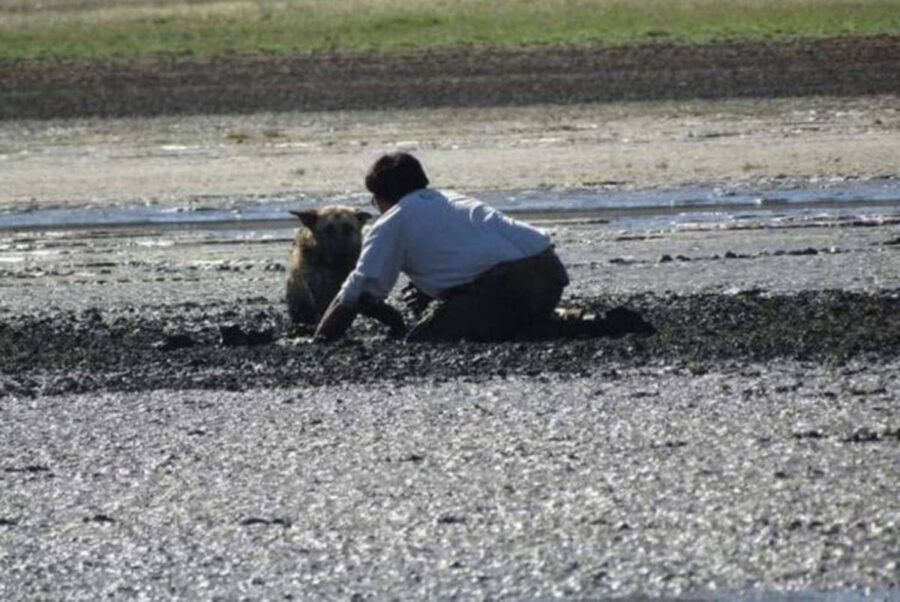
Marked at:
<point>631,481</point>
<point>652,467</point>
<point>100,268</point>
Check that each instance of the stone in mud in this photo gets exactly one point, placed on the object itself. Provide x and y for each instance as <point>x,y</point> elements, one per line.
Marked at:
<point>175,341</point>
<point>451,520</point>
<point>863,435</point>
<point>235,336</point>
<point>808,434</point>
<point>99,519</point>
<point>255,520</point>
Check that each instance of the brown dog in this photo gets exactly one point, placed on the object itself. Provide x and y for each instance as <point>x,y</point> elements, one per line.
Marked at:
<point>323,254</point>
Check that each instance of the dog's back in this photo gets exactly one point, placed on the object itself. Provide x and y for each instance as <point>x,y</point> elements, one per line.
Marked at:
<point>324,252</point>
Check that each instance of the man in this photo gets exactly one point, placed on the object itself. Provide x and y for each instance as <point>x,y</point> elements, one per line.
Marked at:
<point>492,276</point>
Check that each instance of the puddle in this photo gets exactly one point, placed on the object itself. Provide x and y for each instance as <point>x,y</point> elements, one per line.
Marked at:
<point>629,209</point>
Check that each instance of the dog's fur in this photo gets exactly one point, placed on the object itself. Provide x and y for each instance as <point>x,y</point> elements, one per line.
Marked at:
<point>324,252</point>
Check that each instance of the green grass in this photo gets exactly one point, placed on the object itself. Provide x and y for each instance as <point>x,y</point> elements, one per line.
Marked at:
<point>99,29</point>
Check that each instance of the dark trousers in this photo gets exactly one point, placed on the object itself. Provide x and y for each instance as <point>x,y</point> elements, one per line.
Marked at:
<point>501,304</point>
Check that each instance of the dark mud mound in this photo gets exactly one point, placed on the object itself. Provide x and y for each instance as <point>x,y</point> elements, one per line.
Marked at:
<point>455,77</point>
<point>218,346</point>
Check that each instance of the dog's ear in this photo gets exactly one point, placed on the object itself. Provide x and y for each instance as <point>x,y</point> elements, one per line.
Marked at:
<point>309,217</point>
<point>363,216</point>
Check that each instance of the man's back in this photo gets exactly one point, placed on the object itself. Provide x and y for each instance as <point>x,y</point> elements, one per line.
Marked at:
<point>448,240</point>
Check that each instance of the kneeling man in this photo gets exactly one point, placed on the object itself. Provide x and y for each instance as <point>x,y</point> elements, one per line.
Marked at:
<point>492,276</point>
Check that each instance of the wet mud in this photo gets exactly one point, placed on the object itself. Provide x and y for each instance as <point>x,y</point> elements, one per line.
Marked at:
<point>844,66</point>
<point>251,345</point>
<point>165,433</point>
<point>138,309</point>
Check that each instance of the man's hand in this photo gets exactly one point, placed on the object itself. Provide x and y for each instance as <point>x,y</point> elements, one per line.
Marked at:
<point>384,313</point>
<point>415,300</point>
<point>335,322</point>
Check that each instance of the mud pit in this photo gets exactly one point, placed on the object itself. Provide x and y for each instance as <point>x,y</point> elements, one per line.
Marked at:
<point>135,309</point>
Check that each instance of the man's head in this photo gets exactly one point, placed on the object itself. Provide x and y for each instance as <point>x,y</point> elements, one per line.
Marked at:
<point>394,176</point>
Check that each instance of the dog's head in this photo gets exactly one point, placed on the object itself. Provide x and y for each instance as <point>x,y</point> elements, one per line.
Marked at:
<point>337,230</point>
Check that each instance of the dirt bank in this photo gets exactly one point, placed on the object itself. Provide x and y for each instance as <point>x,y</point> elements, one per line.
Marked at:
<point>459,78</point>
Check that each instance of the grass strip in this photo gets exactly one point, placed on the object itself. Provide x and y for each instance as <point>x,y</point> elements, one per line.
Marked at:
<point>103,29</point>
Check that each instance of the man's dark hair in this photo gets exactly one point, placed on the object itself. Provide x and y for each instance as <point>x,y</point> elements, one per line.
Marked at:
<point>394,176</point>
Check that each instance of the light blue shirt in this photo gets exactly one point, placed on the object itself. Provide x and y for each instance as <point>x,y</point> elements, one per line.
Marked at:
<point>439,240</point>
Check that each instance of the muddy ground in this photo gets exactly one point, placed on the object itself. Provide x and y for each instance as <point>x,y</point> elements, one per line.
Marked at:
<point>139,309</point>
<point>456,78</point>
<point>626,482</point>
<point>165,433</point>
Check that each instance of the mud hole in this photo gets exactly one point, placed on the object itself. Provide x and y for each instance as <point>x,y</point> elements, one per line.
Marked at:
<point>251,345</point>
<point>137,309</point>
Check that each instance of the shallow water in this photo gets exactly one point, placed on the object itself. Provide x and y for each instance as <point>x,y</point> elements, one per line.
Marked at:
<point>622,209</point>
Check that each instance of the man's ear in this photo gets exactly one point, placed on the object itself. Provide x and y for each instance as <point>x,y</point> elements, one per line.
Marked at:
<point>309,217</point>
<point>363,216</point>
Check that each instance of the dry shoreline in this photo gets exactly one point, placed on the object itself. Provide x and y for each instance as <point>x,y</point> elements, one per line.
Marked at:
<point>218,159</point>
<point>657,116</point>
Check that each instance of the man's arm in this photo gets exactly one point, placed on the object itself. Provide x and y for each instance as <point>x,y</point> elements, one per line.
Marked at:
<point>415,300</point>
<point>335,321</point>
<point>338,318</point>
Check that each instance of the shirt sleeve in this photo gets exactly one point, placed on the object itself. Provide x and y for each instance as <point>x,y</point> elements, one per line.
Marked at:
<point>379,262</point>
